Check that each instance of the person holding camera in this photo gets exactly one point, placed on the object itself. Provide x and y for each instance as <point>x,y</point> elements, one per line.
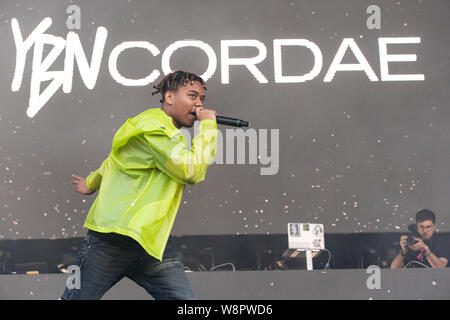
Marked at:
<point>423,247</point>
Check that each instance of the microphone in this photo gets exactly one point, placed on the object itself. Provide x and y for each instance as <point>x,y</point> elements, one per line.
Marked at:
<point>231,121</point>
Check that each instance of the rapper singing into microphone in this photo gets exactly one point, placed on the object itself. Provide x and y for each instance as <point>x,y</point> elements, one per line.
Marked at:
<point>140,185</point>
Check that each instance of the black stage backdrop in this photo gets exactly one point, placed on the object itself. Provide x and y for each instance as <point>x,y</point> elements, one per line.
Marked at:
<point>350,96</point>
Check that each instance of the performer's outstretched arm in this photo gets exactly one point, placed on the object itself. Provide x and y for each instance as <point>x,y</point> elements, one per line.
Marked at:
<point>91,183</point>
<point>81,186</point>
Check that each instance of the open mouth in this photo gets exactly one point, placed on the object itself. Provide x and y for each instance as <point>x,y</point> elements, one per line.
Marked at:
<point>193,114</point>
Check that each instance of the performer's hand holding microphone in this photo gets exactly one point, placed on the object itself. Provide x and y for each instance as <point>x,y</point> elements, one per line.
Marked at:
<point>203,114</point>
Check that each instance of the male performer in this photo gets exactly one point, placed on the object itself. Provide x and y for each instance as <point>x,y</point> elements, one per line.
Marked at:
<point>140,185</point>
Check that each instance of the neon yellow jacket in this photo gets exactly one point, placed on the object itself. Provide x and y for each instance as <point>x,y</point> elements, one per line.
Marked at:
<point>141,182</point>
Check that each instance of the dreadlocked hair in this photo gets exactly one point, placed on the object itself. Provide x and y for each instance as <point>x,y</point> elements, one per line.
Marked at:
<point>174,80</point>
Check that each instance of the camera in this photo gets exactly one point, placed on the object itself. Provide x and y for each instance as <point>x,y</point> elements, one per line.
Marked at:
<point>411,235</point>
<point>411,239</point>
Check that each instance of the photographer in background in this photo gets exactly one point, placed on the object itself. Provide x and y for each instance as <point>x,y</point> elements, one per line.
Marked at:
<point>424,246</point>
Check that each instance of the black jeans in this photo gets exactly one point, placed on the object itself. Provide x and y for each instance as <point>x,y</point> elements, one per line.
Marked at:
<point>105,258</point>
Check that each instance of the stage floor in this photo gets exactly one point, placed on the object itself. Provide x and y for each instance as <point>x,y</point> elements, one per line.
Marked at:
<point>352,284</point>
